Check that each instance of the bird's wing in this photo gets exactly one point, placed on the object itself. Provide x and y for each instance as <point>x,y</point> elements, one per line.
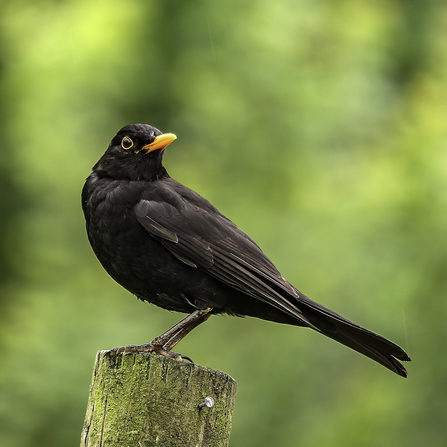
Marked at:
<point>201,237</point>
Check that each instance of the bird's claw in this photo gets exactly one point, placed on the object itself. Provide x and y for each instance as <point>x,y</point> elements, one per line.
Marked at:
<point>150,347</point>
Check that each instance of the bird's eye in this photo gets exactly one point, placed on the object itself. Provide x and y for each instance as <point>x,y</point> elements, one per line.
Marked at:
<point>126,143</point>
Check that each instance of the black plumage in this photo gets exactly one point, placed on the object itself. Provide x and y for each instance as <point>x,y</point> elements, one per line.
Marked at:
<point>169,246</point>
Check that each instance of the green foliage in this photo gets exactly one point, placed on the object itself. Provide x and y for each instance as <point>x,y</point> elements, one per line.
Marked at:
<point>319,127</point>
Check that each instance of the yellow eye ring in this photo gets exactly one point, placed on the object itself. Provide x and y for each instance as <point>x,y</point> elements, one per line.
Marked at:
<point>126,143</point>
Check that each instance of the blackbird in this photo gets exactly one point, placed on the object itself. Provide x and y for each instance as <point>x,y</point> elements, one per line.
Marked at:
<point>169,246</point>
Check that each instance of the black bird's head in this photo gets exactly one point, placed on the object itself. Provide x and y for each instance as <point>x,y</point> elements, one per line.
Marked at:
<point>135,153</point>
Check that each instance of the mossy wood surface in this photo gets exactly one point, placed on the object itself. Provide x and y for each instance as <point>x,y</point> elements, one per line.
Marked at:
<point>142,400</point>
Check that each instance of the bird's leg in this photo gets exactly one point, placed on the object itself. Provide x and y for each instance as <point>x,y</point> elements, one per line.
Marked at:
<point>162,344</point>
<point>185,331</point>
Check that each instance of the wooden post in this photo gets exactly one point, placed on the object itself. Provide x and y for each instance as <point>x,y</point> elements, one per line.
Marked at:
<point>142,400</point>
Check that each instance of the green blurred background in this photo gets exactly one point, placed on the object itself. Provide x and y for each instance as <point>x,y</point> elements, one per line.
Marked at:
<point>318,126</point>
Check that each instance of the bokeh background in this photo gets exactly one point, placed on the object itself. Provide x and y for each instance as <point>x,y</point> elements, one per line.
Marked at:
<point>318,126</point>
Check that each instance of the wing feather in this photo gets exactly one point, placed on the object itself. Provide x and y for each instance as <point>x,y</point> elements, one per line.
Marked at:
<point>219,249</point>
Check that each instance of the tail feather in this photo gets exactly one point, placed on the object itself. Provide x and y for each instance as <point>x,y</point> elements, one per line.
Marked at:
<point>371,349</point>
<point>354,336</point>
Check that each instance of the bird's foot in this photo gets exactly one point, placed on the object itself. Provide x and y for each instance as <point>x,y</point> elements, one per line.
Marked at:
<point>163,344</point>
<point>149,347</point>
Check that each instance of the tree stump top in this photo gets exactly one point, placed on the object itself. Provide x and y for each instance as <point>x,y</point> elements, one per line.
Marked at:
<point>143,399</point>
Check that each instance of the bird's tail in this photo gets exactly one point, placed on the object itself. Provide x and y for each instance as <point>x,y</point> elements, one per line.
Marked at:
<point>356,337</point>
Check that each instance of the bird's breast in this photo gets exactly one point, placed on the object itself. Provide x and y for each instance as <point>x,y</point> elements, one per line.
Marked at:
<point>132,257</point>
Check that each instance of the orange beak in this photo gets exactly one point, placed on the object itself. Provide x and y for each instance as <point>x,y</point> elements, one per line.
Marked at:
<point>160,142</point>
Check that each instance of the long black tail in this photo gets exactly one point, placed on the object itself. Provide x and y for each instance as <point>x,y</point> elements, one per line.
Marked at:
<point>356,337</point>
